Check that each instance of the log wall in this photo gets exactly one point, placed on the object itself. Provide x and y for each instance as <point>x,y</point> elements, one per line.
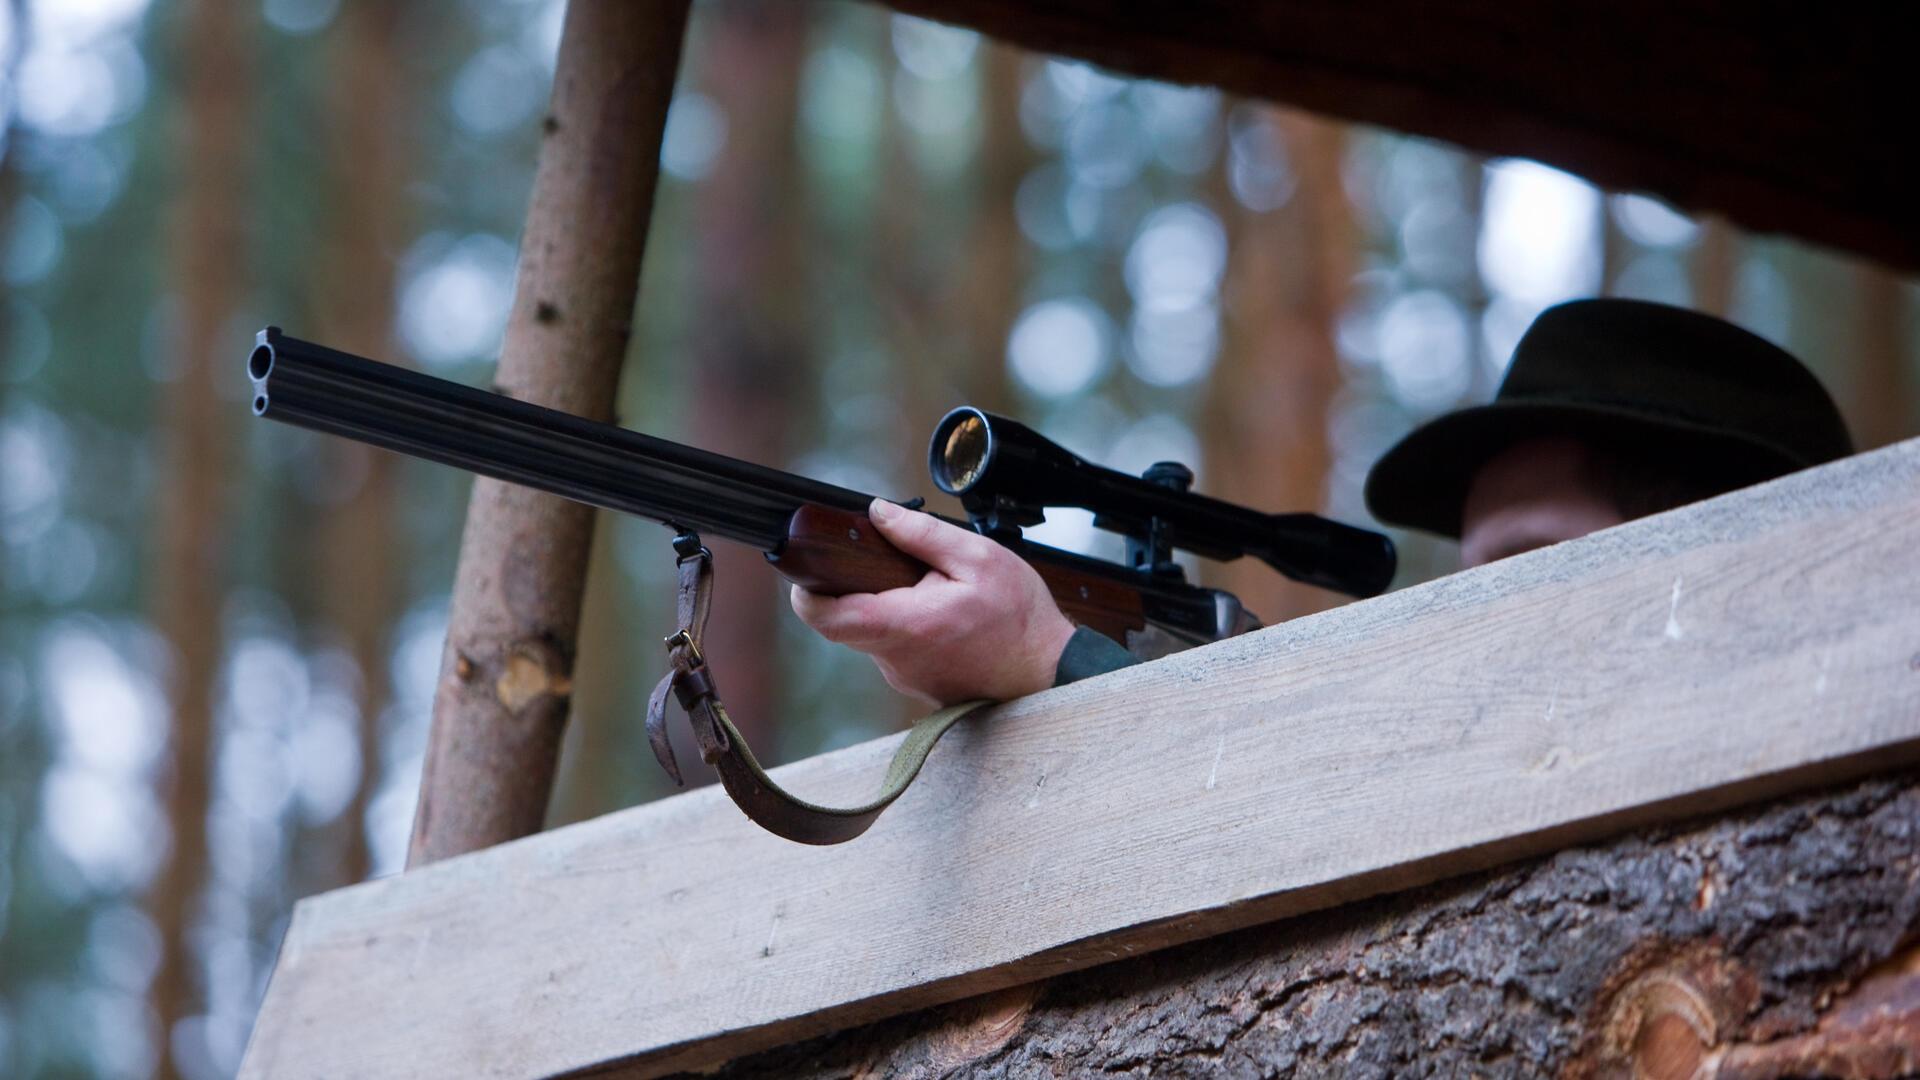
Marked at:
<point>1735,946</point>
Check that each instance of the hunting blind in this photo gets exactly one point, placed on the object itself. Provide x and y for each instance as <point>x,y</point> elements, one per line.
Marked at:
<point>1753,647</point>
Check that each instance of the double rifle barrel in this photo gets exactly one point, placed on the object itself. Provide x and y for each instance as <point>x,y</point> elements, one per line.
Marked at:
<point>312,386</point>
<point>811,531</point>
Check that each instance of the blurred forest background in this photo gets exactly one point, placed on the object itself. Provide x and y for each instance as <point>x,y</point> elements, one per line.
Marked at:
<point>219,638</point>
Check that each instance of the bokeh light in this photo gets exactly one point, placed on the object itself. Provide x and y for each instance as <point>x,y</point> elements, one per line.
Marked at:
<point>1258,169</point>
<point>1181,122</point>
<point>1651,223</point>
<point>1174,347</point>
<point>1177,258</point>
<point>931,50</point>
<point>454,306</point>
<point>840,95</point>
<point>1426,350</point>
<point>300,17</point>
<point>1540,240</point>
<point>498,89</point>
<point>1059,347</point>
<point>696,132</point>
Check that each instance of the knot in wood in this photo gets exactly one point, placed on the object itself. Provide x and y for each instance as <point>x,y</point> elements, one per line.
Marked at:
<point>981,1028</point>
<point>1673,1031</point>
<point>1667,1015</point>
<point>533,670</point>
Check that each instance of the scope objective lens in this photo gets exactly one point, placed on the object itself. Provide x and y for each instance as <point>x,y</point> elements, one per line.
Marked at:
<point>963,456</point>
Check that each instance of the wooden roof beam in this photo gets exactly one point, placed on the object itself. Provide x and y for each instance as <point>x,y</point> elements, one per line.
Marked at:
<point>1788,119</point>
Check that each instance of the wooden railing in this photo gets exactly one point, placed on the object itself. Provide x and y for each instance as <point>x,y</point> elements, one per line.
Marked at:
<point>1739,648</point>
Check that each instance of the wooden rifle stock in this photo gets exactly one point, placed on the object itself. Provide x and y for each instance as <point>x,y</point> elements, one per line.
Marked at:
<point>836,552</point>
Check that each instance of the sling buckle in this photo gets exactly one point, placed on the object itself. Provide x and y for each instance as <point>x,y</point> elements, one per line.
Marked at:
<point>684,637</point>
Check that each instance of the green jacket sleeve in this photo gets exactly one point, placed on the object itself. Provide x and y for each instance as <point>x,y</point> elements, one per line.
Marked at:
<point>1087,654</point>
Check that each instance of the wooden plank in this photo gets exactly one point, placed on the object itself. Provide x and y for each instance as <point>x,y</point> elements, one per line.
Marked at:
<point>1759,642</point>
<point>1778,117</point>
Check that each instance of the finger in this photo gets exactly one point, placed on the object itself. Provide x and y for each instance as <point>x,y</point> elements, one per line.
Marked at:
<point>856,618</point>
<point>818,609</point>
<point>802,602</point>
<point>950,549</point>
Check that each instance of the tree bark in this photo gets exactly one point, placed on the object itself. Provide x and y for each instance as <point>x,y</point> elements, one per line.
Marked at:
<point>1764,943</point>
<point>505,678</point>
<point>1266,439</point>
<point>208,251</point>
<point>354,307</point>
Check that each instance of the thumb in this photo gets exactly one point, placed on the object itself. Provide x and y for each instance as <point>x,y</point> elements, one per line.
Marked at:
<point>947,548</point>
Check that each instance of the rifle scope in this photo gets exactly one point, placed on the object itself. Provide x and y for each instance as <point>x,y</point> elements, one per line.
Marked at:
<point>1006,475</point>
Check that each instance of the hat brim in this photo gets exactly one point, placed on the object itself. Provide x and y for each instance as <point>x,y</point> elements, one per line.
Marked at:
<point>1422,482</point>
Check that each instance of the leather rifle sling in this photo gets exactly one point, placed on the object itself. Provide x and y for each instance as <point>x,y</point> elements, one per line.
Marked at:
<point>768,804</point>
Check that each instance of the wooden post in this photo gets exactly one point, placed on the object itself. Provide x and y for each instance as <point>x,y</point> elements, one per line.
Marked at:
<point>208,248</point>
<point>505,678</point>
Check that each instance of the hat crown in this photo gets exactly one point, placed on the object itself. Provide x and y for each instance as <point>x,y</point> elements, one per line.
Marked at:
<point>1671,363</point>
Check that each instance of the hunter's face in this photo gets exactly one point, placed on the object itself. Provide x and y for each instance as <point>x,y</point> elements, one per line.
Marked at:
<point>1532,494</point>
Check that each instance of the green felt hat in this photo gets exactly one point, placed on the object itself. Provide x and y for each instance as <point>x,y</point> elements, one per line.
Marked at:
<point>1725,406</point>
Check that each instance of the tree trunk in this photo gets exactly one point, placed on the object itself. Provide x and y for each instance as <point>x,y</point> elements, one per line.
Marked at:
<point>505,679</point>
<point>1716,263</point>
<point>996,266</point>
<point>1765,943</point>
<point>1266,439</point>
<point>750,344</point>
<point>354,308</point>
<point>18,29</point>
<point>1882,403</point>
<point>209,250</point>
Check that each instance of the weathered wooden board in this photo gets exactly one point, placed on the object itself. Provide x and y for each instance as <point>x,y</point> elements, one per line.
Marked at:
<point>1761,641</point>
<point>1787,118</point>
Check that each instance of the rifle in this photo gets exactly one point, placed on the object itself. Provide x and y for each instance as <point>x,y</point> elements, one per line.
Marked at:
<point>816,534</point>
